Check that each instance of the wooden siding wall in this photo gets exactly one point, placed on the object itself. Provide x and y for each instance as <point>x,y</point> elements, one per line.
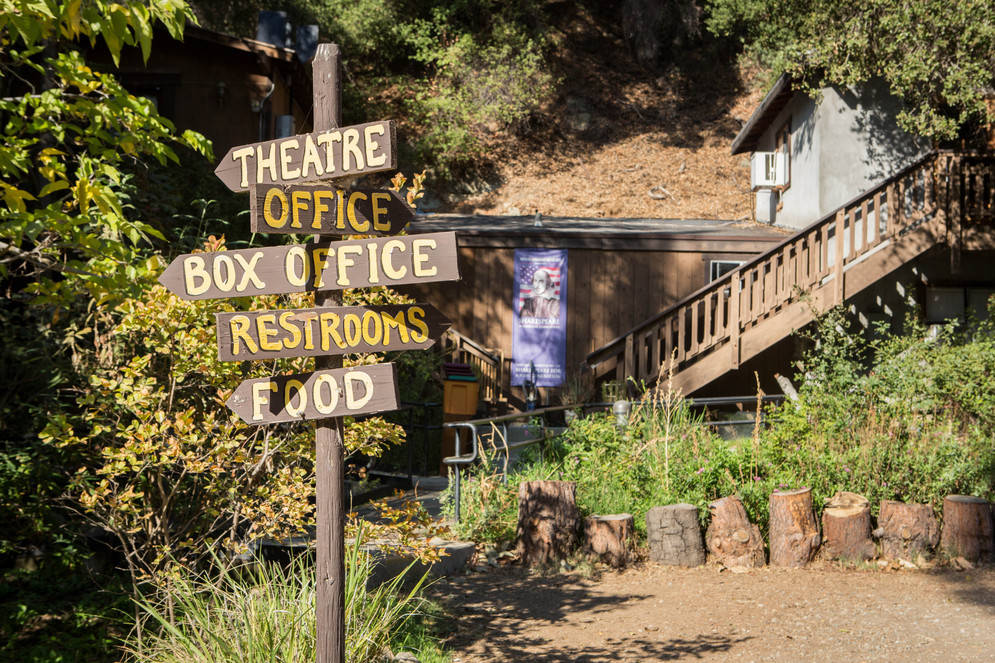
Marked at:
<point>608,292</point>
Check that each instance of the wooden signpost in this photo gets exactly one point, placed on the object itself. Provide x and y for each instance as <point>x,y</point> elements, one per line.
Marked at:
<point>317,332</point>
<point>323,209</point>
<point>276,172</point>
<point>325,265</point>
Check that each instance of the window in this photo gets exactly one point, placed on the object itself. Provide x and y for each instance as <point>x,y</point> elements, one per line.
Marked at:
<point>719,268</point>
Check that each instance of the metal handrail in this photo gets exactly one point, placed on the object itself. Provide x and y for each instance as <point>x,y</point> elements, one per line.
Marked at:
<point>460,459</point>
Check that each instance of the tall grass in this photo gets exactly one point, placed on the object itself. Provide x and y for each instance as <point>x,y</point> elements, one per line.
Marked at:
<point>265,613</point>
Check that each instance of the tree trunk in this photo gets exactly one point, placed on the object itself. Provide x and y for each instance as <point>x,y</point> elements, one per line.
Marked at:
<point>906,531</point>
<point>794,534</point>
<point>846,528</point>
<point>611,538</point>
<point>548,521</point>
<point>674,535</point>
<point>967,528</point>
<point>731,538</point>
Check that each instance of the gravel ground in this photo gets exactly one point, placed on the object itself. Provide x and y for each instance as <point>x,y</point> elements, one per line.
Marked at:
<point>657,613</point>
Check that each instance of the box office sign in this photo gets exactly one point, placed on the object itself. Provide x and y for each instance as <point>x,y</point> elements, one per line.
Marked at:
<point>291,268</point>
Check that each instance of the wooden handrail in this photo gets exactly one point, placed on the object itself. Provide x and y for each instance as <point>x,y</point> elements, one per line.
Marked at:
<point>595,357</point>
<point>715,314</point>
<point>489,363</point>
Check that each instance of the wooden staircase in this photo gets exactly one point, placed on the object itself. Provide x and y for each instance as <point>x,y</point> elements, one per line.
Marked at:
<point>939,199</point>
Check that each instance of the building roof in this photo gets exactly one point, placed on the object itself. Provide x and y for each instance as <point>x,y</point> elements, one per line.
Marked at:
<point>600,233</point>
<point>775,100</point>
<point>286,58</point>
<point>239,43</point>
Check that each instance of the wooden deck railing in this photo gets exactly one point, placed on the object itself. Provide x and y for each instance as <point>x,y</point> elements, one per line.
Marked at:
<point>957,186</point>
<point>489,363</point>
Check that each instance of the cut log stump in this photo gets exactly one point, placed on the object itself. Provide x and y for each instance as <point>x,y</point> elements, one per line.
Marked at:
<point>846,528</point>
<point>967,528</point>
<point>906,531</point>
<point>794,534</point>
<point>548,521</point>
<point>611,538</point>
<point>731,538</point>
<point>674,535</point>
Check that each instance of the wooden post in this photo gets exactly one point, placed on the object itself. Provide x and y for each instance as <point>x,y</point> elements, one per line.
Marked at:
<point>548,521</point>
<point>734,297</point>
<point>731,538</point>
<point>794,534</point>
<point>838,286</point>
<point>330,456</point>
<point>955,193</point>
<point>967,528</point>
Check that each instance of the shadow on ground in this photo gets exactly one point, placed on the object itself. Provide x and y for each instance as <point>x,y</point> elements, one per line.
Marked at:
<point>501,617</point>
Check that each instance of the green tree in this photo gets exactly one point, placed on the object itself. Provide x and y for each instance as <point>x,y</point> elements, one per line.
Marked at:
<point>937,56</point>
<point>71,241</point>
<point>70,134</point>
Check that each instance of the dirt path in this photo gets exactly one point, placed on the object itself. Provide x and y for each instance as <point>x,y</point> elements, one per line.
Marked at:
<point>656,613</point>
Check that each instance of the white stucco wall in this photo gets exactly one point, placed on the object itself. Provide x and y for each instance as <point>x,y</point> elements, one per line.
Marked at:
<point>842,144</point>
<point>800,201</point>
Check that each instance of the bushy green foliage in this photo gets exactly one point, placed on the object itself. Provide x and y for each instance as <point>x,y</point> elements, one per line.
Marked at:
<point>935,55</point>
<point>275,616</point>
<point>452,72</point>
<point>908,417</point>
<point>70,134</point>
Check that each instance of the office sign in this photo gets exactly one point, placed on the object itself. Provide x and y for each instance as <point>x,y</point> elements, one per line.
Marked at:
<point>326,210</point>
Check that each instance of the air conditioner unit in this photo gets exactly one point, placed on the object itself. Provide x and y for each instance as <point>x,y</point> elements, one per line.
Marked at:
<point>768,169</point>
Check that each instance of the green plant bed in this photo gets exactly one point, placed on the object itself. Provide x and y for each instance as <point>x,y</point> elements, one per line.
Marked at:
<point>908,417</point>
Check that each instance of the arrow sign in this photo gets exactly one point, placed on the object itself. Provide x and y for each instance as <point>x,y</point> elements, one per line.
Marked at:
<point>313,332</point>
<point>331,393</point>
<point>358,263</point>
<point>326,210</point>
<point>363,148</point>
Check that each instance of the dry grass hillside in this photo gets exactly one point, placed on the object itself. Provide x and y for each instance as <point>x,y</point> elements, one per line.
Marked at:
<point>621,140</point>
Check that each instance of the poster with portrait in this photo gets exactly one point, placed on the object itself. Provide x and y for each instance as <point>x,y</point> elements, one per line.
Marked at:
<point>539,317</point>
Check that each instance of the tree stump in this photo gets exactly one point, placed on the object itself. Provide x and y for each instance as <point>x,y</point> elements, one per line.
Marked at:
<point>794,534</point>
<point>967,528</point>
<point>548,521</point>
<point>674,535</point>
<point>846,528</point>
<point>611,538</point>
<point>731,538</point>
<point>906,531</point>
